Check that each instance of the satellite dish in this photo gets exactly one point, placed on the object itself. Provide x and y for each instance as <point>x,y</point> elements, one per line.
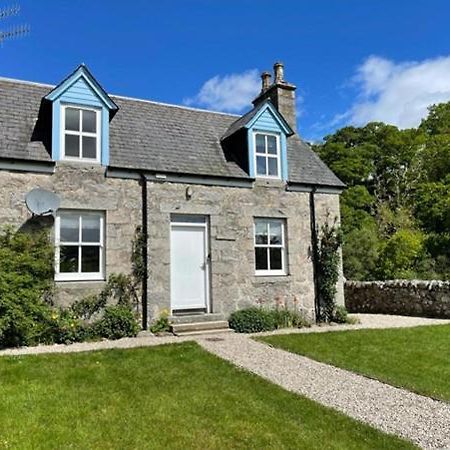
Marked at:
<point>42,202</point>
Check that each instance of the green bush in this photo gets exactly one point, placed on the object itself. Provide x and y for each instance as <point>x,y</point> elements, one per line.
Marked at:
<point>161,324</point>
<point>285,318</point>
<point>26,280</point>
<point>118,321</point>
<point>340,314</point>
<point>252,320</point>
<point>67,328</point>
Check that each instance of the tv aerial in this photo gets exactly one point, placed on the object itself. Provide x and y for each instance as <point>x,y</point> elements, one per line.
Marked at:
<point>41,202</point>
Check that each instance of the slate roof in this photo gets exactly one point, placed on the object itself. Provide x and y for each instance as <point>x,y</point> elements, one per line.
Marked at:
<point>144,135</point>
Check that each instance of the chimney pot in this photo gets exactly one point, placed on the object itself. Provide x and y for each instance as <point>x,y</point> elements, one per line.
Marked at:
<point>265,77</point>
<point>278,69</point>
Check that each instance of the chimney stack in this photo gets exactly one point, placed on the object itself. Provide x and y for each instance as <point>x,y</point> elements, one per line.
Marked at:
<point>265,77</point>
<point>280,93</point>
<point>278,70</point>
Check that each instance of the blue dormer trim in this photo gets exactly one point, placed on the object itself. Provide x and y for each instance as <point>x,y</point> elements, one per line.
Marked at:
<point>82,72</point>
<point>268,120</point>
<point>80,89</point>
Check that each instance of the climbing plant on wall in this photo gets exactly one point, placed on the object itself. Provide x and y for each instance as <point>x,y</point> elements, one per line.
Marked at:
<point>330,241</point>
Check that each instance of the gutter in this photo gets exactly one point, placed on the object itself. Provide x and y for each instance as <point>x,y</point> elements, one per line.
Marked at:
<point>144,252</point>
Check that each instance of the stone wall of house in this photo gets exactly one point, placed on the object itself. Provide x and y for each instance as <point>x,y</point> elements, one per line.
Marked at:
<point>79,186</point>
<point>403,297</point>
<point>231,213</point>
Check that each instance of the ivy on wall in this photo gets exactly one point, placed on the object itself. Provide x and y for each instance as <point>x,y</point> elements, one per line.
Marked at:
<point>328,260</point>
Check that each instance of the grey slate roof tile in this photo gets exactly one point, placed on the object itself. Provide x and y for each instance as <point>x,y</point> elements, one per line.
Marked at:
<point>144,135</point>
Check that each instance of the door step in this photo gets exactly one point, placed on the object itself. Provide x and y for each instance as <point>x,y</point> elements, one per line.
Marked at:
<point>190,329</point>
<point>196,318</point>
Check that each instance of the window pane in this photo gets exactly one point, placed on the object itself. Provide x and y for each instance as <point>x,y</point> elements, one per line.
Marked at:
<point>273,166</point>
<point>68,259</point>
<point>261,165</point>
<point>261,258</point>
<point>72,146</point>
<point>90,259</point>
<point>89,147</point>
<point>69,229</point>
<point>261,232</point>
<point>272,145</point>
<point>275,259</point>
<point>72,119</point>
<point>260,143</point>
<point>90,229</point>
<point>276,232</point>
<point>89,121</point>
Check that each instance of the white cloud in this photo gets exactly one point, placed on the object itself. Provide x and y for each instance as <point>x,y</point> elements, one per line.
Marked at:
<point>397,93</point>
<point>231,93</point>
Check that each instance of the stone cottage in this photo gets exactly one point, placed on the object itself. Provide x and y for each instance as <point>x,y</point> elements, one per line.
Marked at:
<point>228,204</point>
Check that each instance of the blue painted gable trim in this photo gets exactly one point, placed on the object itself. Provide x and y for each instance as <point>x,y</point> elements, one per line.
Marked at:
<point>82,72</point>
<point>267,120</point>
<point>266,110</point>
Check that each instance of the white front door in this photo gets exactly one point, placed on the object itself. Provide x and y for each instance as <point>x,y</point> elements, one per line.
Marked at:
<point>189,263</point>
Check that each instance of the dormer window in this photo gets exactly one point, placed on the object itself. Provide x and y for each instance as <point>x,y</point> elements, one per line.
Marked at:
<point>267,155</point>
<point>80,134</point>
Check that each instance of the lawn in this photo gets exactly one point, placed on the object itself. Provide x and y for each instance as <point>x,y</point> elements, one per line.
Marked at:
<point>417,359</point>
<point>173,396</point>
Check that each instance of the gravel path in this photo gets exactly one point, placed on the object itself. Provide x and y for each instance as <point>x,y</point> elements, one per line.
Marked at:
<point>419,419</point>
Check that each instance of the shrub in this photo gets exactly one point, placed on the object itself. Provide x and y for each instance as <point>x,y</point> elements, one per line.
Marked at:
<point>252,320</point>
<point>285,318</point>
<point>340,314</point>
<point>161,324</point>
<point>118,321</point>
<point>26,279</point>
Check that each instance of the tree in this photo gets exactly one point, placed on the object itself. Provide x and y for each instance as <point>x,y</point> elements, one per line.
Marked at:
<point>396,208</point>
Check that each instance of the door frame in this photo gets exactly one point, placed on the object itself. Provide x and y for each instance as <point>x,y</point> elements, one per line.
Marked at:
<point>194,221</point>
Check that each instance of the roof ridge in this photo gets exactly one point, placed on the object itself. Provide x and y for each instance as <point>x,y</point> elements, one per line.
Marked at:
<point>32,83</point>
<point>173,105</point>
<point>124,97</point>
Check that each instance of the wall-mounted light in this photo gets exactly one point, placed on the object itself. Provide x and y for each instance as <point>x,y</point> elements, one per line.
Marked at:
<point>188,193</point>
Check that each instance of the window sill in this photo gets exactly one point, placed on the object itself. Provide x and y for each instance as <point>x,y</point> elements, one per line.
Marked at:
<point>80,285</point>
<point>271,279</point>
<point>96,279</point>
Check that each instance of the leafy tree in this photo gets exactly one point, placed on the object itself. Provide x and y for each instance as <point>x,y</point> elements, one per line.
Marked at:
<point>396,208</point>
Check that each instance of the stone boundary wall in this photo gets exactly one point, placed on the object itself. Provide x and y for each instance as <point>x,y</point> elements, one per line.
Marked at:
<point>402,297</point>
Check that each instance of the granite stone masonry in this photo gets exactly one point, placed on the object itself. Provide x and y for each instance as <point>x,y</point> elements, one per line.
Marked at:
<point>231,212</point>
<point>80,187</point>
<point>401,297</point>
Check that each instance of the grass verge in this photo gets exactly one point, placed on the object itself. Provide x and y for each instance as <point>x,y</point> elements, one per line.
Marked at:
<point>173,396</point>
<point>417,359</point>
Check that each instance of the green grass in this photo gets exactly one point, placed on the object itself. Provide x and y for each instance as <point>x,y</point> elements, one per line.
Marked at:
<point>173,396</point>
<point>417,359</point>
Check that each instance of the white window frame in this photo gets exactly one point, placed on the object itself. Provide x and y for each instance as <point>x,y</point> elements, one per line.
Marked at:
<point>267,155</point>
<point>266,272</point>
<point>79,276</point>
<point>80,134</point>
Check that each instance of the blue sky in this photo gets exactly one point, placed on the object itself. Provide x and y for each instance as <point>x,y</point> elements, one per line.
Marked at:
<point>352,60</point>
